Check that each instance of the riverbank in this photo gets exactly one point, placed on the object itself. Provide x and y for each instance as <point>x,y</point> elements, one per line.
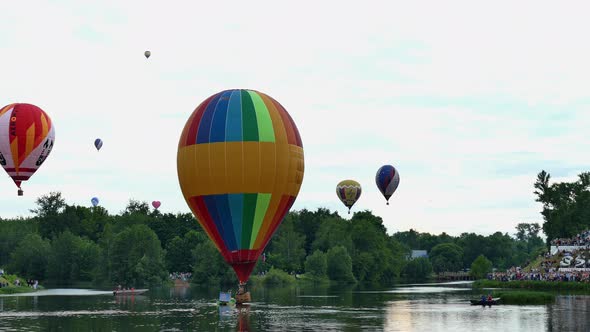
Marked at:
<point>9,279</point>
<point>534,284</point>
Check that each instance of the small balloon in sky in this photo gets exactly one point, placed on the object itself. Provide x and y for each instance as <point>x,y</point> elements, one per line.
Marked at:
<point>387,180</point>
<point>348,192</point>
<point>156,204</point>
<point>147,54</point>
<point>98,143</point>
<point>94,201</point>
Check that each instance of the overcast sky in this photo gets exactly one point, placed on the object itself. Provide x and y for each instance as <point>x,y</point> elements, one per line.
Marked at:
<point>468,101</point>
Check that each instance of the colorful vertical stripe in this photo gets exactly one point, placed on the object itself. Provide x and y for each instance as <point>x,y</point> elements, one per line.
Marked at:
<point>239,116</point>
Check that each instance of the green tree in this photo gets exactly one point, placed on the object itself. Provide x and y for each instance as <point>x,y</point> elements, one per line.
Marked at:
<point>308,223</point>
<point>71,259</point>
<point>333,232</point>
<point>49,208</point>
<point>316,265</point>
<point>480,267</point>
<point>29,259</point>
<point>11,234</point>
<point>136,257</point>
<point>418,269</point>
<point>566,206</point>
<point>340,265</point>
<point>288,247</point>
<point>446,257</point>
<point>138,207</point>
<point>209,267</point>
<point>179,257</point>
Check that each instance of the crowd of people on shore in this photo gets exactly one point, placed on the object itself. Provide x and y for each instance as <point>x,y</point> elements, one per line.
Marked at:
<point>516,274</point>
<point>582,239</point>
<point>17,283</point>
<point>184,276</point>
<point>552,268</point>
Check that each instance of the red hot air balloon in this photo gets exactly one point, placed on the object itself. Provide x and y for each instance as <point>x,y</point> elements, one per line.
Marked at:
<point>240,167</point>
<point>27,135</point>
<point>156,204</point>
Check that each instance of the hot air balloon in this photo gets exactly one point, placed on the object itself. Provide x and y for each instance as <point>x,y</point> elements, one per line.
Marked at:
<point>94,201</point>
<point>349,192</point>
<point>387,179</point>
<point>147,54</point>
<point>98,143</point>
<point>240,167</point>
<point>27,135</point>
<point>156,204</point>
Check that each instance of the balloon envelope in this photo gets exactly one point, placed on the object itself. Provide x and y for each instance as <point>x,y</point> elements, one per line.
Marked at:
<point>240,167</point>
<point>27,135</point>
<point>98,143</point>
<point>156,204</point>
<point>387,180</point>
<point>147,54</point>
<point>94,201</point>
<point>348,192</point>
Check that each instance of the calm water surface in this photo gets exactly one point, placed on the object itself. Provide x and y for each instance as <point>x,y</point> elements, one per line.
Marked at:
<point>424,307</point>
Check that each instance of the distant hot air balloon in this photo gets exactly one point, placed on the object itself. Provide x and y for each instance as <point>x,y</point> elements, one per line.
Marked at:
<point>156,204</point>
<point>349,192</point>
<point>147,54</point>
<point>94,201</point>
<point>387,179</point>
<point>27,135</point>
<point>98,143</point>
<point>240,167</point>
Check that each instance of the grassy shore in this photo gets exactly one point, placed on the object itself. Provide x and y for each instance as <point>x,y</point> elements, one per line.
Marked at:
<point>10,278</point>
<point>532,284</point>
<point>15,290</point>
<point>525,297</point>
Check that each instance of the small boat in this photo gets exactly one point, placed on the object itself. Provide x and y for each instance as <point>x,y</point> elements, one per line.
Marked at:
<point>495,301</point>
<point>129,291</point>
<point>225,299</point>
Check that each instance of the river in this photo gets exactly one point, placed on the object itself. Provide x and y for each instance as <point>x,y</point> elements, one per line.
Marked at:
<point>418,307</point>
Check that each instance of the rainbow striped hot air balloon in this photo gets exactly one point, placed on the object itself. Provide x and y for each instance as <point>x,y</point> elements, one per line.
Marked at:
<point>240,167</point>
<point>26,139</point>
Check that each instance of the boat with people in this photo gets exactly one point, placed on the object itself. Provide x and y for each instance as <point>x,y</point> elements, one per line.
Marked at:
<point>129,291</point>
<point>494,301</point>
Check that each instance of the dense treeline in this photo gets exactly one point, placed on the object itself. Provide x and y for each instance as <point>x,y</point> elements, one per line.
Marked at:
<point>566,206</point>
<point>66,244</point>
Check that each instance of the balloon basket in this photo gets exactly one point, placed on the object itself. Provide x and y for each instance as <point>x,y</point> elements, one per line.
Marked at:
<point>20,192</point>
<point>387,203</point>
<point>244,297</point>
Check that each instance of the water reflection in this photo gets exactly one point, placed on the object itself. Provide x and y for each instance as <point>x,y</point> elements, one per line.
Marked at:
<point>570,313</point>
<point>408,308</point>
<point>438,314</point>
